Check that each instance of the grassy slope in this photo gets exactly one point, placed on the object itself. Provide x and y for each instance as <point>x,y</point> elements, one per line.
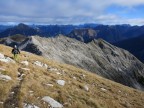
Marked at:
<point>72,94</point>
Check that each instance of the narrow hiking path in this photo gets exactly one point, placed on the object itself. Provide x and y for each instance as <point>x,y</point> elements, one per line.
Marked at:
<point>13,100</point>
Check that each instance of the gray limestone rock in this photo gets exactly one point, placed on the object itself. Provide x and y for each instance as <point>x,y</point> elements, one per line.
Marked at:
<point>97,56</point>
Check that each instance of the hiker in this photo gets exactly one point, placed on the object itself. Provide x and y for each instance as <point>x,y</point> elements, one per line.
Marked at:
<point>15,52</point>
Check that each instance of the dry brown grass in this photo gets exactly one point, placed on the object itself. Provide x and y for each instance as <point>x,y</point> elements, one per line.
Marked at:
<point>72,95</point>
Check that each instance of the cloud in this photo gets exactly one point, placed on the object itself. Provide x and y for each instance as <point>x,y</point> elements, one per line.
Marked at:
<point>64,11</point>
<point>129,3</point>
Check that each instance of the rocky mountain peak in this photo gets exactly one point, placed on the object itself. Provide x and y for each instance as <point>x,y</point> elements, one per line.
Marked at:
<point>85,34</point>
<point>21,29</point>
<point>22,26</point>
<point>84,31</point>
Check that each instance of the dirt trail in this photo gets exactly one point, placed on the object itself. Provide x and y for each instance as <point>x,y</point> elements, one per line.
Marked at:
<point>13,100</point>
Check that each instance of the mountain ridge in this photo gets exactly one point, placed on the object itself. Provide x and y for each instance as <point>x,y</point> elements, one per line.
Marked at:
<point>19,29</point>
<point>110,33</point>
<point>97,56</point>
<point>33,80</point>
<point>85,35</point>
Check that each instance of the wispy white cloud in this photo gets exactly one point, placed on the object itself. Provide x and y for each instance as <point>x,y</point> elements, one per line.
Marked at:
<point>65,11</point>
<point>129,3</point>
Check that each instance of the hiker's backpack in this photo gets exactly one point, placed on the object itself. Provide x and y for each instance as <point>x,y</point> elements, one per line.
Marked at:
<point>15,51</point>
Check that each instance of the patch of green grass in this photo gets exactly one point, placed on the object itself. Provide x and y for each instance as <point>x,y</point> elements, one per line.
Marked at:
<point>4,72</point>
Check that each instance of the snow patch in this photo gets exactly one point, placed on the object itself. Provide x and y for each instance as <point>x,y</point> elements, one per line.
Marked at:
<point>53,103</point>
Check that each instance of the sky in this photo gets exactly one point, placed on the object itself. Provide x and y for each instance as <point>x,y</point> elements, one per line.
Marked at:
<point>47,12</point>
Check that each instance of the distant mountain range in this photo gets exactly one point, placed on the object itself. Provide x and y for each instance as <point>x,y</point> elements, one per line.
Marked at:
<point>111,34</point>
<point>117,33</point>
<point>4,27</point>
<point>20,29</point>
<point>124,36</point>
<point>134,45</point>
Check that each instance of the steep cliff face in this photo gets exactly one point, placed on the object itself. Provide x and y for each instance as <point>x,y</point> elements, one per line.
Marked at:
<point>97,56</point>
<point>84,35</point>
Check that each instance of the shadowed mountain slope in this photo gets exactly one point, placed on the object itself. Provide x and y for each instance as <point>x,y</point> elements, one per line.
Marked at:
<point>134,45</point>
<point>19,29</point>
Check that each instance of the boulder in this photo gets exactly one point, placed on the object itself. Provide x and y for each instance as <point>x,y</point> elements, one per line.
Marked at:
<point>1,56</point>
<point>4,60</point>
<point>5,77</point>
<point>103,89</point>
<point>29,106</point>
<point>38,63</point>
<point>10,60</point>
<point>26,63</point>
<point>61,82</point>
<point>53,103</point>
<point>2,69</point>
<point>86,88</point>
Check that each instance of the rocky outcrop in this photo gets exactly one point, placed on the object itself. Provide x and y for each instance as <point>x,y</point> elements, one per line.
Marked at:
<point>52,102</point>
<point>6,59</point>
<point>85,35</point>
<point>97,56</point>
